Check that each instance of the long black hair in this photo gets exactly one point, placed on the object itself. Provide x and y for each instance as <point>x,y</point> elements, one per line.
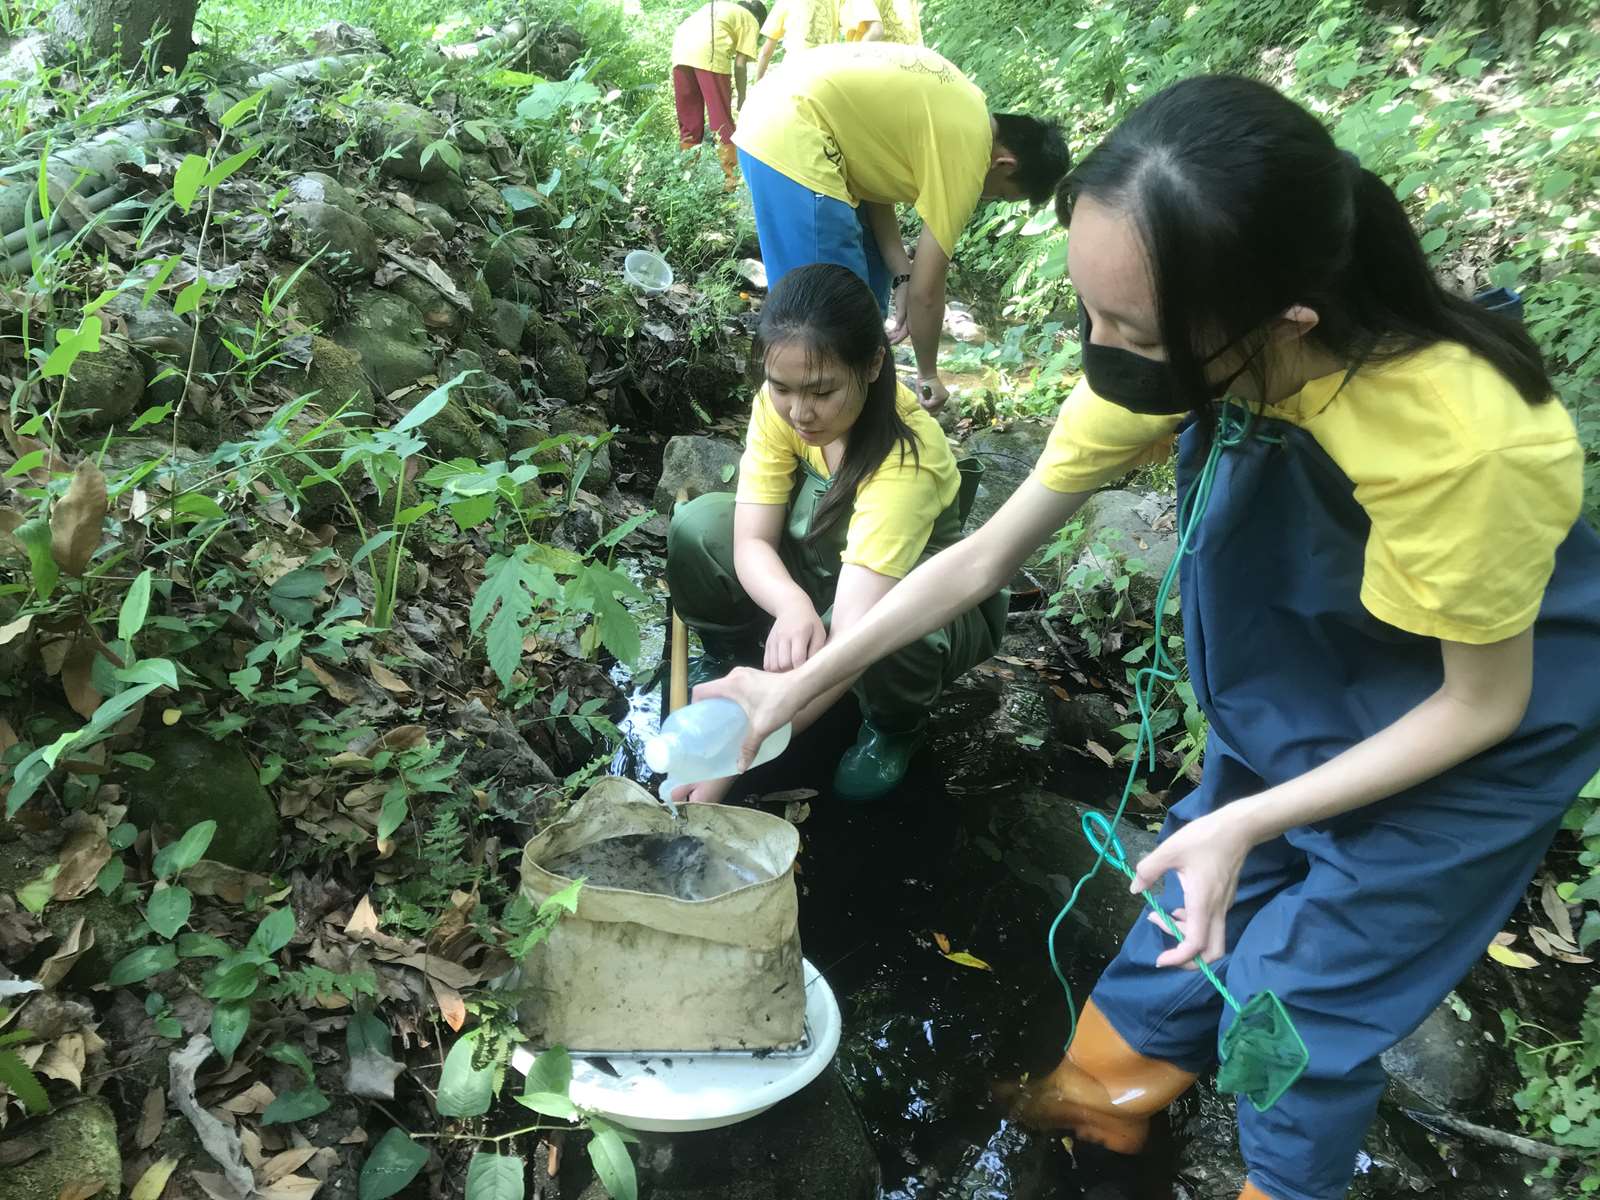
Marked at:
<point>833,313</point>
<point>1246,208</point>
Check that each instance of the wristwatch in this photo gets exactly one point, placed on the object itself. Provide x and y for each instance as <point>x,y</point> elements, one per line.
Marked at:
<point>899,279</point>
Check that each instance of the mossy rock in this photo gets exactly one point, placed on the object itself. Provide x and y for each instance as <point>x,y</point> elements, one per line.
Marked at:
<point>485,199</point>
<point>591,422</point>
<point>497,264</point>
<point>389,333</point>
<point>105,385</point>
<point>438,314</point>
<point>454,434</point>
<point>315,187</point>
<point>310,298</point>
<point>118,928</point>
<point>376,564</point>
<point>438,218</point>
<point>397,138</point>
<point>389,222</point>
<point>349,251</point>
<point>80,1145</point>
<point>196,779</point>
<point>339,378</point>
<point>561,368</point>
<point>450,194</point>
<point>505,325</point>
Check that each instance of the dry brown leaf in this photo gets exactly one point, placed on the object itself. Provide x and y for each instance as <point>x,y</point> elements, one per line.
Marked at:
<point>76,519</point>
<point>363,921</point>
<point>1504,938</point>
<point>76,671</point>
<point>81,1189</point>
<point>151,1118</point>
<point>287,1163</point>
<point>295,1187</point>
<point>78,942</point>
<point>19,1149</point>
<point>1556,909</point>
<point>1550,943</point>
<point>942,942</point>
<point>216,1186</point>
<point>451,1004</point>
<point>82,856</point>
<point>388,680</point>
<point>254,1099</point>
<point>341,692</point>
<point>64,1059</point>
<point>8,736</point>
<point>1100,752</point>
<point>232,884</point>
<point>404,737</point>
<point>9,633</point>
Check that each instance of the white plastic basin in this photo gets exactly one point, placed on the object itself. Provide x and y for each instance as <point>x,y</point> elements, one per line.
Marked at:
<point>647,271</point>
<point>684,1092</point>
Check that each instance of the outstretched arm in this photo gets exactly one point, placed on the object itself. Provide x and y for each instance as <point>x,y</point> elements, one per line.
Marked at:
<point>764,60</point>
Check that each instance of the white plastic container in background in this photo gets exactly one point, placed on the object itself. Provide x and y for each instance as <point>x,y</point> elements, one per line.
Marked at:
<point>701,741</point>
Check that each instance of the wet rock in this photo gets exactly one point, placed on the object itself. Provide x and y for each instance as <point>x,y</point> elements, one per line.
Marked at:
<point>810,1147</point>
<point>480,387</point>
<point>390,224</point>
<point>437,218</point>
<point>196,779</point>
<point>454,434</point>
<point>106,385</point>
<point>339,378</point>
<point>697,465</point>
<point>349,250</point>
<point>1008,456</point>
<point>562,370</point>
<point>80,1146</point>
<point>387,330</point>
<point>484,201</point>
<point>504,326</point>
<point>478,166</point>
<point>398,138</point>
<point>1441,1065</point>
<point>438,314</point>
<point>1085,715</point>
<point>309,297</point>
<point>482,298</point>
<point>1136,527</point>
<point>498,266</point>
<point>590,421</point>
<point>449,193</point>
<point>316,188</point>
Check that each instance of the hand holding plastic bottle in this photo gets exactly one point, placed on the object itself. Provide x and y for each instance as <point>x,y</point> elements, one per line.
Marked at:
<point>770,703</point>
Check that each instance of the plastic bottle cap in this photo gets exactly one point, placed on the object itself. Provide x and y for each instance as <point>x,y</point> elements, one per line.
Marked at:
<point>658,753</point>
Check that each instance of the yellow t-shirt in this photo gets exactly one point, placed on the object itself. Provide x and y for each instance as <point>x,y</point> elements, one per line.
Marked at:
<point>710,38</point>
<point>896,506</point>
<point>877,122</point>
<point>902,21</point>
<point>1469,489</point>
<point>802,24</point>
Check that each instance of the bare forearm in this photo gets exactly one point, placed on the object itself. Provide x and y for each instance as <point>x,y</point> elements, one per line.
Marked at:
<point>765,59</point>
<point>764,577</point>
<point>927,323</point>
<point>739,81</point>
<point>886,232</point>
<point>1441,732</point>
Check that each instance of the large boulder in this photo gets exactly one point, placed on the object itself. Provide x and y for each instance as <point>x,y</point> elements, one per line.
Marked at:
<point>437,218</point>
<point>562,370</point>
<point>314,187</point>
<point>438,314</point>
<point>104,385</point>
<point>79,1147</point>
<point>1136,527</point>
<point>812,1146</point>
<point>337,376</point>
<point>349,251</point>
<point>398,138</point>
<point>389,222</point>
<point>697,465</point>
<point>452,433</point>
<point>194,779</point>
<point>1007,456</point>
<point>388,332</point>
<point>308,298</point>
<point>1441,1065</point>
<point>592,422</point>
<point>481,387</point>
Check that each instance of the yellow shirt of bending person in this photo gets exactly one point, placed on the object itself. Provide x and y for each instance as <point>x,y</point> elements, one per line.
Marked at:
<point>802,24</point>
<point>895,506</point>
<point>876,122</point>
<point>710,38</point>
<point>901,20</point>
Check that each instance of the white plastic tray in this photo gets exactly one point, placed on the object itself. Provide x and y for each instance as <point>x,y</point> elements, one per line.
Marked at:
<point>678,1093</point>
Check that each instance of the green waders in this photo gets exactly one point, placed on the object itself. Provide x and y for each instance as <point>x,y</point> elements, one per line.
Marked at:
<point>895,693</point>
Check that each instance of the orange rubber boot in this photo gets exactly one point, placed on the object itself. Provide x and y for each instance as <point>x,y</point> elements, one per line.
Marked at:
<point>728,155</point>
<point>1104,1091</point>
<point>1252,1192</point>
<point>687,143</point>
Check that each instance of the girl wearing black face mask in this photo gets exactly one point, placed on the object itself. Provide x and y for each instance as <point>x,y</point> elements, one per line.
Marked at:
<point>1391,610</point>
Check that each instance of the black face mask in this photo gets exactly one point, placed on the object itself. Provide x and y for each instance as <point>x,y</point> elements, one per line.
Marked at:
<point>1137,383</point>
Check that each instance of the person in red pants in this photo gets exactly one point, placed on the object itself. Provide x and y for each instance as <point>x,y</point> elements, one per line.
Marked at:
<point>710,54</point>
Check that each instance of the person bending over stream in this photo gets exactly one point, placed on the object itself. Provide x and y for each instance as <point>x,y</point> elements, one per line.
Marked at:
<point>845,485</point>
<point>1390,605</point>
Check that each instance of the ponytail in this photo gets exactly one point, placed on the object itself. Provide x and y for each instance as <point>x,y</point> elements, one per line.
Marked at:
<point>835,315</point>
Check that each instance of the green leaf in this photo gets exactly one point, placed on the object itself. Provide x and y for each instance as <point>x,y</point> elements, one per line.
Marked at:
<point>551,1072</point>
<point>111,875</point>
<point>229,165</point>
<point>229,1023</point>
<point>189,298</point>
<point>565,900</point>
<point>168,911</point>
<point>186,182</point>
<point>473,511</point>
<point>549,1103</point>
<point>143,963</point>
<point>151,416</point>
<point>393,814</point>
<point>69,345</point>
<point>613,1166</point>
<point>149,670</point>
<point>159,279</point>
<point>295,1106</point>
<point>23,1084</point>
<point>430,405</point>
<point>366,1032</point>
<point>295,1057</point>
<point>241,110</point>
<point>123,836</point>
<point>1433,239</point>
<point>464,1090</point>
<point>202,945</point>
<point>35,538</point>
<point>495,1177</point>
<point>274,932</point>
<point>393,1163</point>
<point>36,893</point>
<point>176,857</point>
<point>291,597</point>
<point>371,544</point>
<point>28,462</point>
<point>135,606</point>
<point>231,979</point>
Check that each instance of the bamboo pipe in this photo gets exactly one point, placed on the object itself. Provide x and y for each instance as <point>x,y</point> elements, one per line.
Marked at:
<point>679,694</point>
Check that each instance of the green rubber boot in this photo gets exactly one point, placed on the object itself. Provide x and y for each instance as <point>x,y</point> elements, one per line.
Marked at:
<point>876,764</point>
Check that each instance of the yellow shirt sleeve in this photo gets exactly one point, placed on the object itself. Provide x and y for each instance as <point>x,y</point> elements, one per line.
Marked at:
<point>746,33</point>
<point>897,505</point>
<point>856,15</point>
<point>776,21</point>
<point>771,456</point>
<point>1470,490</point>
<point>1095,441</point>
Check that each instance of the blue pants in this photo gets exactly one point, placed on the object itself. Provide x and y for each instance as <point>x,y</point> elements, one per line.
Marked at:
<point>797,227</point>
<point>1361,925</point>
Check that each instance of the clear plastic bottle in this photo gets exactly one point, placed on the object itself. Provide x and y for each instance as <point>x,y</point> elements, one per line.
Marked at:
<point>701,741</point>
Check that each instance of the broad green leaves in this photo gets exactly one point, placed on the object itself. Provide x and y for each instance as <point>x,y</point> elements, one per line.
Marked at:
<point>549,1079</point>
<point>609,1155</point>
<point>393,1163</point>
<point>229,1023</point>
<point>465,1090</point>
<point>69,345</point>
<point>176,857</point>
<point>186,182</point>
<point>273,933</point>
<point>16,1076</point>
<point>168,910</point>
<point>296,1106</point>
<point>142,963</point>
<point>512,585</point>
<point>33,770</point>
<point>135,607</point>
<point>495,1177</point>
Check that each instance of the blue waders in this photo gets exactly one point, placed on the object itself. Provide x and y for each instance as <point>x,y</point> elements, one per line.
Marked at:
<point>1361,924</point>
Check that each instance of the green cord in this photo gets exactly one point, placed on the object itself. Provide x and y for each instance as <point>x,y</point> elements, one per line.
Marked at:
<point>1231,430</point>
